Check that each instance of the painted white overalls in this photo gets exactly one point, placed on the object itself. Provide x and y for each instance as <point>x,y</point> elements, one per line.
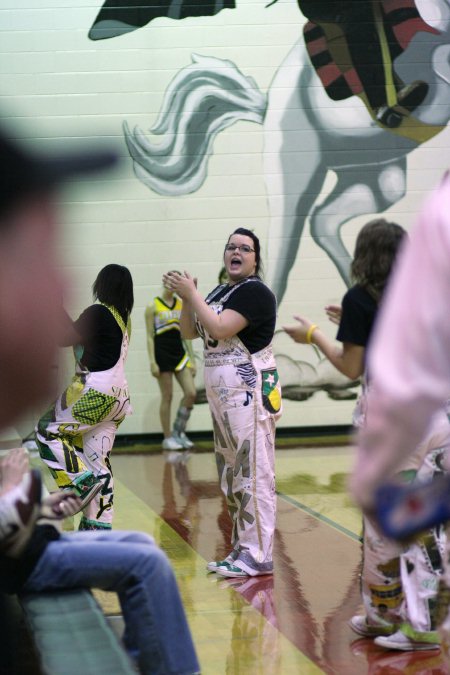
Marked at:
<point>244,396</point>
<point>76,435</point>
<point>399,584</point>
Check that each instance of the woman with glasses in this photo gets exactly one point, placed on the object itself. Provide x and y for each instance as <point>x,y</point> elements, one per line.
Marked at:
<point>237,323</point>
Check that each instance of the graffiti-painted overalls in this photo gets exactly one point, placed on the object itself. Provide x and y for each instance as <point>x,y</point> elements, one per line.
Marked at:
<point>244,396</point>
<point>76,435</point>
<point>399,583</point>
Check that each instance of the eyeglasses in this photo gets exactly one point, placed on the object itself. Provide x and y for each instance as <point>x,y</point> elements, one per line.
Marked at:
<point>244,248</point>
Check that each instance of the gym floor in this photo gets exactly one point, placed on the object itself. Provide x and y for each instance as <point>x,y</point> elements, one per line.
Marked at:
<point>292,622</point>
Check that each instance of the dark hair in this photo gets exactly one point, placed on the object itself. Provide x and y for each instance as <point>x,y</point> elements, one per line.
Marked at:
<point>256,245</point>
<point>376,247</point>
<point>114,286</point>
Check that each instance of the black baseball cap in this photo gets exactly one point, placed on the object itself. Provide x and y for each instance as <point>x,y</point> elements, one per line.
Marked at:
<point>24,173</point>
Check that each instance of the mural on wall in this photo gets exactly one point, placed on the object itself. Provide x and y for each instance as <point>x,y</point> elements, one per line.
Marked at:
<point>366,84</point>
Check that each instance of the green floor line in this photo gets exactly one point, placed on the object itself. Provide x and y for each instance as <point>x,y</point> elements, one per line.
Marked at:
<point>319,516</point>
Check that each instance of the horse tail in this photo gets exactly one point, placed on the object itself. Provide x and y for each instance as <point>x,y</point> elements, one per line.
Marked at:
<point>203,99</point>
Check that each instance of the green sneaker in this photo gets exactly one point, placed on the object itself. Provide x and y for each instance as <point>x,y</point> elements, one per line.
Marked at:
<point>214,564</point>
<point>229,570</point>
<point>86,492</point>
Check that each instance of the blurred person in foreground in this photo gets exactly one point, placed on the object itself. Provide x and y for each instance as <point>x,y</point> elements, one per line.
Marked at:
<point>35,558</point>
<point>409,362</point>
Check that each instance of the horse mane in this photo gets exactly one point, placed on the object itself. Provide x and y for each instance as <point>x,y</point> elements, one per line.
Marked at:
<point>204,98</point>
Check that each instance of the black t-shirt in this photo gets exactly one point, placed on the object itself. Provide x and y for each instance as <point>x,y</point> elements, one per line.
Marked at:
<point>359,310</point>
<point>101,338</point>
<point>256,302</point>
<point>15,571</point>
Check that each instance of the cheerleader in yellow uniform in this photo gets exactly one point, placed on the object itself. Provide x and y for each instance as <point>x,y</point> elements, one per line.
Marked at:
<point>170,356</point>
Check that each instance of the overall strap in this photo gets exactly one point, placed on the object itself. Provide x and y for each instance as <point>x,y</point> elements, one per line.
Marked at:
<point>116,314</point>
<point>230,292</point>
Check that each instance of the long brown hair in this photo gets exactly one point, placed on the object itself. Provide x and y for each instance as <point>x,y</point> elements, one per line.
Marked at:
<point>376,248</point>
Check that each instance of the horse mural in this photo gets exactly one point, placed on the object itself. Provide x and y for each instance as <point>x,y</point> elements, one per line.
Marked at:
<point>306,135</point>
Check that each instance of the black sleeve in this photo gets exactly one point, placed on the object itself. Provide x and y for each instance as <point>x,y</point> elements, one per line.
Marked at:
<point>88,320</point>
<point>358,315</point>
<point>102,338</point>
<point>255,301</point>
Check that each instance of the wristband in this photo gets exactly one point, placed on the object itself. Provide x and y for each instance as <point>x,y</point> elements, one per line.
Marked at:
<point>309,333</point>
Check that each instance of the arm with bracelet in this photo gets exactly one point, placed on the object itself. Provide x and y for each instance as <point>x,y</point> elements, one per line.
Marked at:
<point>347,357</point>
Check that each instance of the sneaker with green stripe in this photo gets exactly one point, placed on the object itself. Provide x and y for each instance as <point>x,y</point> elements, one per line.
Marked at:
<point>214,564</point>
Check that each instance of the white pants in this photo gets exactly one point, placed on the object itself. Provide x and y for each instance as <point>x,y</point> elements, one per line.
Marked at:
<point>244,440</point>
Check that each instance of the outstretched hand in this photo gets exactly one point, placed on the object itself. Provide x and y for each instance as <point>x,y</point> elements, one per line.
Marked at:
<point>183,285</point>
<point>299,331</point>
<point>334,313</point>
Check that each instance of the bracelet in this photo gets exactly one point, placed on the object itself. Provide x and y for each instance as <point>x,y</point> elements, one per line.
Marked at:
<point>309,333</point>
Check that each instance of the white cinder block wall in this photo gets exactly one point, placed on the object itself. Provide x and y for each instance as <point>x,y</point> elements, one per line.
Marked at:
<point>57,87</point>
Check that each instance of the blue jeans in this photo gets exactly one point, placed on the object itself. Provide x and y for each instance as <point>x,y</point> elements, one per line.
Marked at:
<point>156,631</point>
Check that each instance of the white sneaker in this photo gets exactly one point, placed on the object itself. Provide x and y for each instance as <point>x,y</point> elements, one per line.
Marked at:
<point>183,439</point>
<point>214,564</point>
<point>359,625</point>
<point>230,570</point>
<point>171,443</point>
<point>403,643</point>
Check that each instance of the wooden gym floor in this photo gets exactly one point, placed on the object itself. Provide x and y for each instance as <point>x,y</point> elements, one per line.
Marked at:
<point>292,622</point>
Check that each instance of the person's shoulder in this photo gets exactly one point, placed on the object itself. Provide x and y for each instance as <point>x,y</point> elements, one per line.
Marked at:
<point>152,305</point>
<point>255,284</point>
<point>359,303</point>
<point>103,315</point>
<point>253,293</point>
<point>360,295</point>
<point>262,290</point>
<point>101,310</point>
<point>92,312</point>
<point>264,287</point>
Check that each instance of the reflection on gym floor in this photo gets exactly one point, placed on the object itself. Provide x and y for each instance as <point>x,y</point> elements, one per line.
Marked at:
<point>292,622</point>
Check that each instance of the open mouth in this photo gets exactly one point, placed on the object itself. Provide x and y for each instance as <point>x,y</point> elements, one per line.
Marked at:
<point>235,263</point>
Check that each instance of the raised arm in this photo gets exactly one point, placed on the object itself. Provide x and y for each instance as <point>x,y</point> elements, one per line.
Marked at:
<point>70,336</point>
<point>219,327</point>
<point>187,321</point>
<point>348,358</point>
